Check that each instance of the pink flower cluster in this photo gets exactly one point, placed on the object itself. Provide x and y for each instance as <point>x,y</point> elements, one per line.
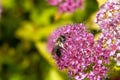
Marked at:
<point>80,55</point>
<point>108,18</point>
<point>66,5</point>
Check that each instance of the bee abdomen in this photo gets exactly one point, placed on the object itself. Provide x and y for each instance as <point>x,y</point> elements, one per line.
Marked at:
<point>58,52</point>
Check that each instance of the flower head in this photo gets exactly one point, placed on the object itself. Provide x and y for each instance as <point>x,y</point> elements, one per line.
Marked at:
<point>66,5</point>
<point>109,14</point>
<point>108,19</point>
<point>80,55</point>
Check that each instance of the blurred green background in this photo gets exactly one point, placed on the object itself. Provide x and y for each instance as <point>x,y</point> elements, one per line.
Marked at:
<point>24,29</point>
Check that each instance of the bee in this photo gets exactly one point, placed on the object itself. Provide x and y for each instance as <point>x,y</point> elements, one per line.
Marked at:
<point>59,44</point>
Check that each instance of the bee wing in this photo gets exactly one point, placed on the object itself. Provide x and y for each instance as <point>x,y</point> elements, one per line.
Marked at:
<point>61,45</point>
<point>54,49</point>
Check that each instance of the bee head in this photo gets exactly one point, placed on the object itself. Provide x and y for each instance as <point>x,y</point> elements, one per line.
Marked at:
<point>61,39</point>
